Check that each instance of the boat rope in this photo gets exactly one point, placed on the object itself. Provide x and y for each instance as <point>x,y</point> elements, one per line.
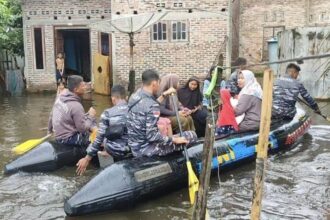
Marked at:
<point>216,149</point>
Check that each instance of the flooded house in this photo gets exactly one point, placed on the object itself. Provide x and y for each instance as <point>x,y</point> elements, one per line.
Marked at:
<point>301,29</point>
<point>184,46</point>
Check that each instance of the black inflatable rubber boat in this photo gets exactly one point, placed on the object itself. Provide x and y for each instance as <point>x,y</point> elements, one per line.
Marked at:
<point>48,156</point>
<point>127,182</point>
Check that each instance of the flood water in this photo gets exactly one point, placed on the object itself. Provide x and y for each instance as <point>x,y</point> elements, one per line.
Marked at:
<point>297,181</point>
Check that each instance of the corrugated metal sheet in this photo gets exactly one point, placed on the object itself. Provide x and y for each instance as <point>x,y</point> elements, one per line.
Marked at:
<point>300,42</point>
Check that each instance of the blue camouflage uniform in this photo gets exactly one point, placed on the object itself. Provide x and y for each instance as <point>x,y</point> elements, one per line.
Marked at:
<point>285,94</point>
<point>112,119</point>
<point>144,137</point>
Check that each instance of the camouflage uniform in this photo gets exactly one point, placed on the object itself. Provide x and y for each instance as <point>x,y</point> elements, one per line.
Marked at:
<point>285,94</point>
<point>115,116</point>
<point>144,137</point>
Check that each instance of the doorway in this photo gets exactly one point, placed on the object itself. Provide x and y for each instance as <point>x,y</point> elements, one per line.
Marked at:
<point>75,45</point>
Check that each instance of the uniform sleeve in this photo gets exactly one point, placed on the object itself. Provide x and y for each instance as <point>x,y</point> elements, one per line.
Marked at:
<point>152,131</point>
<point>244,103</point>
<point>96,146</point>
<point>303,92</point>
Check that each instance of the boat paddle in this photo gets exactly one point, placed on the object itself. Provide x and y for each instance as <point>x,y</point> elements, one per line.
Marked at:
<point>193,182</point>
<point>319,113</point>
<point>29,144</point>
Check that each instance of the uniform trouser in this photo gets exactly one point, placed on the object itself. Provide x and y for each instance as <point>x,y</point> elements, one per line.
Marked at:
<point>162,149</point>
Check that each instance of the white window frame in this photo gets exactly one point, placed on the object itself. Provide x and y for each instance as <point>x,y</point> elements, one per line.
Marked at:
<point>169,32</point>
<point>176,31</point>
<point>162,33</point>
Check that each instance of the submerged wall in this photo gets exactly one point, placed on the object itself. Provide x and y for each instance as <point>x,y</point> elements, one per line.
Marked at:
<point>302,42</point>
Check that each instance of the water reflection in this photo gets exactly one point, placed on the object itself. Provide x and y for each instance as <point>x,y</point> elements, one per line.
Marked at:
<point>297,181</point>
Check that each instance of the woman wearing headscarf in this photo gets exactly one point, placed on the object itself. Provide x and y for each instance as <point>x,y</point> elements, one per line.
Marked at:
<point>167,107</point>
<point>191,98</point>
<point>249,101</point>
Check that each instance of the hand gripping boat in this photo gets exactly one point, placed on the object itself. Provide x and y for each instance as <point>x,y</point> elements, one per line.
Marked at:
<point>128,182</point>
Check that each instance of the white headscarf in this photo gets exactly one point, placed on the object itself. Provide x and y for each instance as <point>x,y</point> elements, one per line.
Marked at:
<point>251,87</point>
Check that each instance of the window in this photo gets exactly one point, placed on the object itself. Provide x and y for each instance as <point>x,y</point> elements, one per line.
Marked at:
<point>170,31</point>
<point>159,32</point>
<point>105,47</point>
<point>179,31</point>
<point>38,48</point>
<point>177,4</point>
<point>160,5</point>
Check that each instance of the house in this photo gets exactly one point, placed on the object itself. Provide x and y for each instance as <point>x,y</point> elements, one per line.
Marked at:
<point>302,28</point>
<point>185,47</point>
<point>259,21</point>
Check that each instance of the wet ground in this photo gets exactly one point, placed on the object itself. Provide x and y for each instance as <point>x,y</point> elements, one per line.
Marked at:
<point>297,184</point>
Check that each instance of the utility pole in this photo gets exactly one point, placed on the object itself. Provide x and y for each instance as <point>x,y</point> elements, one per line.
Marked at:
<point>262,147</point>
<point>229,38</point>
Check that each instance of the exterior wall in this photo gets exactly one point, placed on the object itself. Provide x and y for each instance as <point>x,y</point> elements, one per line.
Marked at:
<point>302,42</point>
<point>186,59</point>
<point>257,16</point>
<point>318,13</point>
<point>41,13</point>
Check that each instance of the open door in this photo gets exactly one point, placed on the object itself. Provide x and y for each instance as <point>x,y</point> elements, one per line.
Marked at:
<point>101,74</point>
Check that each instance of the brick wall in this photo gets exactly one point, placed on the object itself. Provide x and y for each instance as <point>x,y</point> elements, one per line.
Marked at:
<point>68,14</point>
<point>319,14</point>
<point>186,59</point>
<point>257,16</point>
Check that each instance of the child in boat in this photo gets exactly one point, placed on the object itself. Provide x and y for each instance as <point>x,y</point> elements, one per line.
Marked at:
<point>226,123</point>
<point>206,84</point>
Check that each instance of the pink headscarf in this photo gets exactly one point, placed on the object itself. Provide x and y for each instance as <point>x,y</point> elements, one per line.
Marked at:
<point>168,81</point>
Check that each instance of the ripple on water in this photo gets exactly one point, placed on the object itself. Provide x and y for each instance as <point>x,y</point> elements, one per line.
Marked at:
<point>38,196</point>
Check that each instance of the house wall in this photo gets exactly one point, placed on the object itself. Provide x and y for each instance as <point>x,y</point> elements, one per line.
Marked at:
<point>193,57</point>
<point>41,13</point>
<point>302,42</point>
<point>257,17</point>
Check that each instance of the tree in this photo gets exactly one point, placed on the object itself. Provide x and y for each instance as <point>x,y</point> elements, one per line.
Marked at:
<point>11,27</point>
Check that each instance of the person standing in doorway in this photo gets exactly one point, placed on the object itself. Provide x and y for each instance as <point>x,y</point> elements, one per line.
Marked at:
<point>59,68</point>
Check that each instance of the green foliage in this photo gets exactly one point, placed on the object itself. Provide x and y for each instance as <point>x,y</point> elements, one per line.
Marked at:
<point>11,27</point>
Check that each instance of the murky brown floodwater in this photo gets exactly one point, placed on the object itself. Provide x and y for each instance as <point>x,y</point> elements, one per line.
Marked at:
<point>297,184</point>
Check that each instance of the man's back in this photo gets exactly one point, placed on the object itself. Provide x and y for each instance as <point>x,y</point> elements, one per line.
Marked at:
<point>112,126</point>
<point>68,116</point>
<point>139,104</point>
<point>142,120</point>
